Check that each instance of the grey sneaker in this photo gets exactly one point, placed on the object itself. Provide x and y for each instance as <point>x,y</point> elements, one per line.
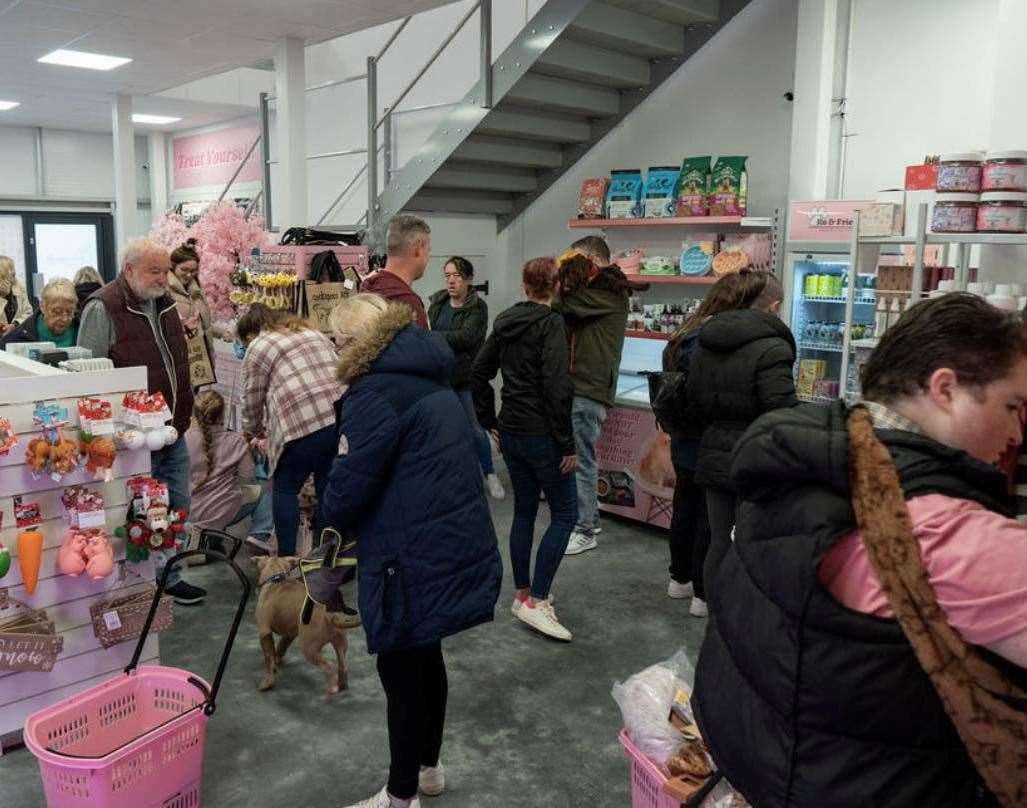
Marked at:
<point>580,543</point>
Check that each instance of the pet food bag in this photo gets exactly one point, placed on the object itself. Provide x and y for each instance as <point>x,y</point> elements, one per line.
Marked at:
<point>624,197</point>
<point>661,187</point>
<point>592,198</point>
<point>693,186</point>
<point>729,187</point>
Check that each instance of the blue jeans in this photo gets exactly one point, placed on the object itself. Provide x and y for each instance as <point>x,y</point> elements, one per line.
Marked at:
<point>262,522</point>
<point>481,440</point>
<point>311,454</point>
<point>534,465</point>
<point>587,417</point>
<point>170,465</point>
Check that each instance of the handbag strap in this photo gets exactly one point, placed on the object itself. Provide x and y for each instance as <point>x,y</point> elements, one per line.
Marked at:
<point>971,689</point>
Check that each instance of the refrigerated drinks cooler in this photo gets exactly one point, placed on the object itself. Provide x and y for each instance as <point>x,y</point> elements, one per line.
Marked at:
<point>818,287</point>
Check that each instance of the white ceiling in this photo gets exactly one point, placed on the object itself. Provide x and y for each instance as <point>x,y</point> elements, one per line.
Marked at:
<point>171,42</point>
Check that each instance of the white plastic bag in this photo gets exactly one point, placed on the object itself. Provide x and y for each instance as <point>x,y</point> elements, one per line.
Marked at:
<point>645,702</point>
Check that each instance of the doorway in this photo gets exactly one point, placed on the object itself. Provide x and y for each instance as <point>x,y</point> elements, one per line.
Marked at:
<point>57,245</point>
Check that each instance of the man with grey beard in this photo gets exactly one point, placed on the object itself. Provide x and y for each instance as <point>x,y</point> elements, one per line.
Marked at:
<point>132,321</point>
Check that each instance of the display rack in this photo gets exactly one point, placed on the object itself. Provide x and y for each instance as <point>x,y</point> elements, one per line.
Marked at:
<point>83,661</point>
<point>711,223</point>
<point>866,251</point>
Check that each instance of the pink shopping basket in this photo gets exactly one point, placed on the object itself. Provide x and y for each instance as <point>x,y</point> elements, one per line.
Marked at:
<point>137,740</point>
<point>647,779</point>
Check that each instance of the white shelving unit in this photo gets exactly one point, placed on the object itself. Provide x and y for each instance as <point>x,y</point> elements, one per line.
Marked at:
<point>866,250</point>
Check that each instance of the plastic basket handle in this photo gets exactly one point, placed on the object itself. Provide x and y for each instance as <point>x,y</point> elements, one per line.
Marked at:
<point>210,704</point>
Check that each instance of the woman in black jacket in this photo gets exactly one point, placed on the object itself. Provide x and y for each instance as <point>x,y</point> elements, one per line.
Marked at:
<point>741,368</point>
<point>462,318</point>
<point>529,344</point>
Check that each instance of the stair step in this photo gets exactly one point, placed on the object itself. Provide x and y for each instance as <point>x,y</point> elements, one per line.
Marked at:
<point>561,95</point>
<point>620,29</point>
<point>575,60</point>
<point>520,123</point>
<point>509,152</point>
<point>481,178</point>
<point>441,200</point>
<point>680,12</point>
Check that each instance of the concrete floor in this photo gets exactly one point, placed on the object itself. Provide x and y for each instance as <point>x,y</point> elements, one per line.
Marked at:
<point>530,721</point>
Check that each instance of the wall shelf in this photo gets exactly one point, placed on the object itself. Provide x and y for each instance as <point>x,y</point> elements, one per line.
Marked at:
<point>857,301</point>
<point>683,280</point>
<point>697,222</point>
<point>647,335</point>
<point>823,347</point>
<point>1016,239</point>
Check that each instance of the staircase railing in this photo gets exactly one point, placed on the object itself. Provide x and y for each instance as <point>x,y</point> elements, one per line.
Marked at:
<point>375,123</point>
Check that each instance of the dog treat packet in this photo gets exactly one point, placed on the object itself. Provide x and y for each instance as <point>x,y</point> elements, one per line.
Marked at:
<point>729,187</point>
<point>624,197</point>
<point>661,186</point>
<point>693,186</point>
<point>592,198</point>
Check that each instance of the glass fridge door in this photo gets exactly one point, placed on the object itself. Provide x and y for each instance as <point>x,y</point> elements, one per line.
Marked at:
<point>819,292</point>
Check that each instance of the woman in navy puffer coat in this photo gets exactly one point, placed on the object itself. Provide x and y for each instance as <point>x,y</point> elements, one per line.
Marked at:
<point>406,482</point>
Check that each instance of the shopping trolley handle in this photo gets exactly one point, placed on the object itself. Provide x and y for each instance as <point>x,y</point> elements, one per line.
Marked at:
<point>228,547</point>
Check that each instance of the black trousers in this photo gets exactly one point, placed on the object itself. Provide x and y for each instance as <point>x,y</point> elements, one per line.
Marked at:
<point>416,688</point>
<point>689,531</point>
<point>720,504</point>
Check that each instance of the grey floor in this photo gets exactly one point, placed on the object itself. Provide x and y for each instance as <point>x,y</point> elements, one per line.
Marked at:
<point>530,721</point>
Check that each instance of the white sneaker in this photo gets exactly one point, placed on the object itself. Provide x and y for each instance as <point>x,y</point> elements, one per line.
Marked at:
<point>698,608</point>
<point>580,543</point>
<point>597,530</point>
<point>680,591</point>
<point>542,617</point>
<point>384,800</point>
<point>496,490</point>
<point>432,780</point>
<point>516,606</point>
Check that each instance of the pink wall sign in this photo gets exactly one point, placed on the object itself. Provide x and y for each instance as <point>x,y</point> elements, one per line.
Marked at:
<point>212,158</point>
<point>822,219</point>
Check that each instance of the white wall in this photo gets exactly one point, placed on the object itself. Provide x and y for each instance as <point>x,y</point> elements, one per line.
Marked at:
<point>76,165</point>
<point>727,99</point>
<point>921,82</point>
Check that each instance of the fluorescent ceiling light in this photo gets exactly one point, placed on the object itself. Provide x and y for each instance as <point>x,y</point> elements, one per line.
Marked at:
<point>157,119</point>
<point>6,105</point>
<point>90,61</point>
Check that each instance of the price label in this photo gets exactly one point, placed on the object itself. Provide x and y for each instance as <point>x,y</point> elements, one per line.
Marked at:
<point>112,621</point>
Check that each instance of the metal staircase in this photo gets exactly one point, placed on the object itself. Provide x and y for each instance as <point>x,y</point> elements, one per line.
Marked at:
<point>575,71</point>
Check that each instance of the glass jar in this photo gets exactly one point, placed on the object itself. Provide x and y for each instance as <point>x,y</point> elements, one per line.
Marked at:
<point>955,213</point>
<point>1004,171</point>
<point>959,173</point>
<point>1002,212</point>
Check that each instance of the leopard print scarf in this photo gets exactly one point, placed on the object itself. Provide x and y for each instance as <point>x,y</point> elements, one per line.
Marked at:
<point>971,689</point>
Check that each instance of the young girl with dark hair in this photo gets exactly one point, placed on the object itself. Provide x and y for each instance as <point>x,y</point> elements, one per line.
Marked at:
<point>222,474</point>
<point>462,317</point>
<point>529,345</point>
<point>690,526</point>
<point>741,369</point>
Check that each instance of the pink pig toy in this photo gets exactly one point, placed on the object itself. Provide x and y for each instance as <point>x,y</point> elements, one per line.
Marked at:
<point>100,556</point>
<point>71,560</point>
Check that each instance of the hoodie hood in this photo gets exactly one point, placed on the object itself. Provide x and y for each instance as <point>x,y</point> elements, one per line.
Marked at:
<point>516,320</point>
<point>392,345</point>
<point>730,330</point>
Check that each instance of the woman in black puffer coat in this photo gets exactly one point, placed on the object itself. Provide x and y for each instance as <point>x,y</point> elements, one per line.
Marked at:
<point>741,369</point>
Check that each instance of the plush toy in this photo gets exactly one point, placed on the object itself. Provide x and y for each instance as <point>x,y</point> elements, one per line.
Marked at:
<point>71,559</point>
<point>37,453</point>
<point>100,453</point>
<point>100,555</point>
<point>63,456</point>
<point>30,555</point>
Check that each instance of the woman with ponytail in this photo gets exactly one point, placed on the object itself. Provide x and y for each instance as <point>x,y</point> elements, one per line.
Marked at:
<point>222,474</point>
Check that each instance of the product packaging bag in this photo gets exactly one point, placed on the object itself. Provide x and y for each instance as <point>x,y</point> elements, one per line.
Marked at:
<point>201,369</point>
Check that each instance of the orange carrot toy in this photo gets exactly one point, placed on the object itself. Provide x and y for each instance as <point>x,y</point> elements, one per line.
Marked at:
<point>30,556</point>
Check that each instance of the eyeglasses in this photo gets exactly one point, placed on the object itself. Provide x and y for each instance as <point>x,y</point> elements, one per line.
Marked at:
<point>54,311</point>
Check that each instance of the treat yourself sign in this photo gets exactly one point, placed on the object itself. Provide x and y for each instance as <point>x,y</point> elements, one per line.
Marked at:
<point>213,157</point>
